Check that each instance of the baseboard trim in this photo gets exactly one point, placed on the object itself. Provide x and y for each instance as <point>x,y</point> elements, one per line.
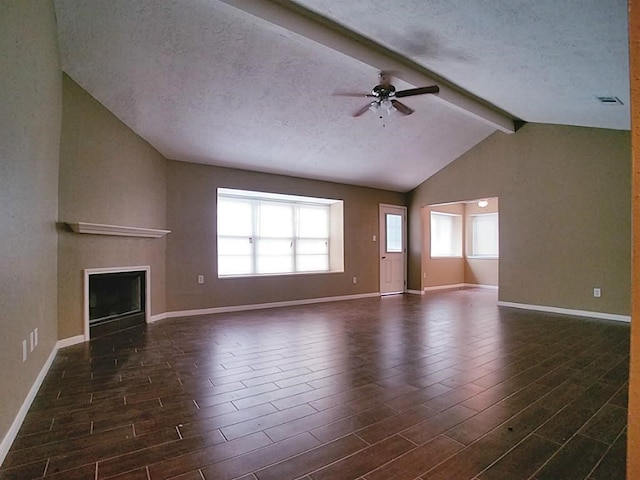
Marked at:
<point>157,317</point>
<point>568,311</point>
<point>454,286</point>
<point>479,285</point>
<point>67,342</point>
<point>416,292</point>
<point>260,306</point>
<point>11,434</point>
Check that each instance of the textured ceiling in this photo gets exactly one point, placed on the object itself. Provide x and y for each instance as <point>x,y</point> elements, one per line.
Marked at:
<point>543,61</point>
<point>241,84</point>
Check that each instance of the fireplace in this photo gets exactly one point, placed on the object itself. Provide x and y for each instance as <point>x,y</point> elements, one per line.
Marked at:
<point>115,299</point>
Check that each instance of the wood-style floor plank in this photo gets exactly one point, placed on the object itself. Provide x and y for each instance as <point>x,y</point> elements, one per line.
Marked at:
<point>445,385</point>
<point>574,460</point>
<point>522,461</point>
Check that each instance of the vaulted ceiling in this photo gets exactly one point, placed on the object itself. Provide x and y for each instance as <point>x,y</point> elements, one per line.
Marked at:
<point>251,84</point>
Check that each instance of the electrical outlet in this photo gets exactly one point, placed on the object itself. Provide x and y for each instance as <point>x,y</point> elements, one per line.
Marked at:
<point>355,280</point>
<point>200,279</point>
<point>24,350</point>
<point>597,292</point>
<point>374,238</point>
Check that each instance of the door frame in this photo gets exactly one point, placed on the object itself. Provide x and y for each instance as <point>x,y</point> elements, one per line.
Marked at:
<point>382,234</point>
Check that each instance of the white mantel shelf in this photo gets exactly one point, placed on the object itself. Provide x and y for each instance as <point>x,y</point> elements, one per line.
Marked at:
<point>119,230</point>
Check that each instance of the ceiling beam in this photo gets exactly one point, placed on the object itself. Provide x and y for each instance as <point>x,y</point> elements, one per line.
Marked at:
<point>308,24</point>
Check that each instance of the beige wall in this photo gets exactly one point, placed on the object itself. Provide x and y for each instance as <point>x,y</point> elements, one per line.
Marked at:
<point>633,428</point>
<point>108,175</point>
<point>30,110</point>
<point>564,213</point>
<point>482,271</point>
<point>191,247</point>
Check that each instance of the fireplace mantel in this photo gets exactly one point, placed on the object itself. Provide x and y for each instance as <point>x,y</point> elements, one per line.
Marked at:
<point>120,230</point>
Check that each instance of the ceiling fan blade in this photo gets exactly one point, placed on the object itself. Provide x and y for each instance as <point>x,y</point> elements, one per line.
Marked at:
<point>402,108</point>
<point>417,91</point>
<point>363,109</point>
<point>351,94</point>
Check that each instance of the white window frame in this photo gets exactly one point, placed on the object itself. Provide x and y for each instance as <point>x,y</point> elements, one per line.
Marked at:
<point>456,234</point>
<point>472,236</point>
<point>334,240</point>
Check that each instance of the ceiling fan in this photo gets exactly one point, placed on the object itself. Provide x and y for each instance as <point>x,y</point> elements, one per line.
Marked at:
<point>384,96</point>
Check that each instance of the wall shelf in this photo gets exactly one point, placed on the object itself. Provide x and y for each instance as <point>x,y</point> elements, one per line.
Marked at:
<point>119,230</point>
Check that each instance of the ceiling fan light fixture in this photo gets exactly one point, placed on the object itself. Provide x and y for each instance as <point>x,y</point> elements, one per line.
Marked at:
<point>387,106</point>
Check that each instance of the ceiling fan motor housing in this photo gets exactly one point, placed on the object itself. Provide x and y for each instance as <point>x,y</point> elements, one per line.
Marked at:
<point>383,91</point>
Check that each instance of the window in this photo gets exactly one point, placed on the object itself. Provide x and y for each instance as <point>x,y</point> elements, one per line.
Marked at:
<point>446,235</point>
<point>393,233</point>
<point>484,235</point>
<point>263,233</point>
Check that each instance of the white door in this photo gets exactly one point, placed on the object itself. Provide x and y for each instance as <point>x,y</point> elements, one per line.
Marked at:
<point>393,249</point>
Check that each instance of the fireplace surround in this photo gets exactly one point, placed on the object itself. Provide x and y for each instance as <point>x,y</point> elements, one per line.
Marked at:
<point>115,298</point>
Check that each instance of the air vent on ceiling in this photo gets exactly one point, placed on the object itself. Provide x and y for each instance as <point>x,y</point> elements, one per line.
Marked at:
<point>610,101</point>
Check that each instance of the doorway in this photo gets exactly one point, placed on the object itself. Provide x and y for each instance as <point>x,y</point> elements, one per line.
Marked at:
<point>393,249</point>
<point>461,244</point>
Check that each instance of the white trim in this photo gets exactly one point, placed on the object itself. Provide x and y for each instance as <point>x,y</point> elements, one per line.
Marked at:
<point>68,342</point>
<point>12,433</point>
<point>479,285</point>
<point>260,306</point>
<point>233,276</point>
<point>278,197</point>
<point>567,311</point>
<point>460,285</point>
<point>415,292</point>
<point>119,230</point>
<point>445,287</point>
<point>94,271</point>
<point>158,317</point>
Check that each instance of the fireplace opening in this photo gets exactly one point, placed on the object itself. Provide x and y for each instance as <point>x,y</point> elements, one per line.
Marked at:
<point>116,302</point>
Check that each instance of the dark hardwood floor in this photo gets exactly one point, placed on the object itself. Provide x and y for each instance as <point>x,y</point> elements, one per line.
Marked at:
<point>443,386</point>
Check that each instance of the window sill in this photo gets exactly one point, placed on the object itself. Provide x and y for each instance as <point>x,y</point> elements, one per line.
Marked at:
<point>284,274</point>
